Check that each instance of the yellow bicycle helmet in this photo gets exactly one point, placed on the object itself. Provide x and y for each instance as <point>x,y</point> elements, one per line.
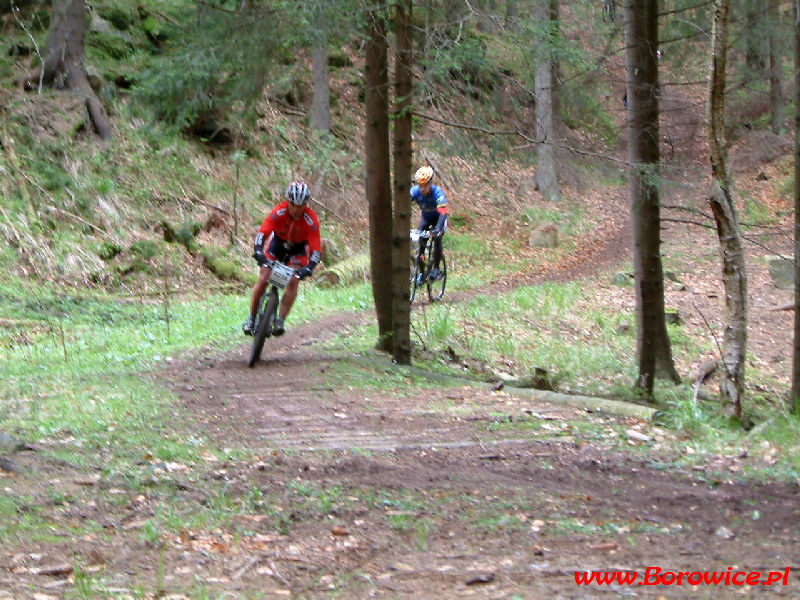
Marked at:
<point>423,175</point>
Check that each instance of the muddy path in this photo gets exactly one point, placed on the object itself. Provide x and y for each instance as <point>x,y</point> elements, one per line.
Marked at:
<point>466,507</point>
<point>332,490</point>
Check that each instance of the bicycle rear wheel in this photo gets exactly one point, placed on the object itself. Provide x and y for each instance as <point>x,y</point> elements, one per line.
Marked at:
<point>264,320</point>
<point>417,266</point>
<point>436,286</point>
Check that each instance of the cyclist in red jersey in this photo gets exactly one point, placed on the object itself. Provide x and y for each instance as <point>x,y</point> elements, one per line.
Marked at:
<point>291,235</point>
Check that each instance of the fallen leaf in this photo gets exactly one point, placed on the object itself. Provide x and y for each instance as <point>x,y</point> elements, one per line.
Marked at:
<point>481,579</point>
<point>724,533</point>
<point>52,570</point>
<point>636,435</point>
<point>605,546</point>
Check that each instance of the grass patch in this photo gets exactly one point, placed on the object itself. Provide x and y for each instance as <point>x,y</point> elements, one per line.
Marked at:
<point>73,367</point>
<point>559,327</point>
<point>610,528</point>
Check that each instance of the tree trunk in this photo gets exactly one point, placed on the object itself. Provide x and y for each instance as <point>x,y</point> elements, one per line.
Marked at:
<point>755,36</point>
<point>512,15</point>
<point>777,114</point>
<point>721,200</point>
<point>63,61</point>
<point>487,18</point>
<point>610,10</point>
<point>320,115</point>
<point>378,182</point>
<point>546,178</point>
<point>795,399</point>
<point>652,341</point>
<point>555,67</point>
<point>401,250</point>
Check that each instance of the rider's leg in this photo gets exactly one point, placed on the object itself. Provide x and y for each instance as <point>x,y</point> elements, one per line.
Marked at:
<point>437,252</point>
<point>258,289</point>
<point>289,296</point>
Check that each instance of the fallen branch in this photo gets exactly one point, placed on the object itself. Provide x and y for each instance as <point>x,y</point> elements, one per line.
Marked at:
<point>789,306</point>
<point>214,206</point>
<point>589,403</point>
<point>66,213</point>
<point>438,170</point>
<point>277,575</point>
<point>703,373</point>
<point>247,566</point>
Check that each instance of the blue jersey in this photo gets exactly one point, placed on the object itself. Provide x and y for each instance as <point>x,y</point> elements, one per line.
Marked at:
<point>431,202</point>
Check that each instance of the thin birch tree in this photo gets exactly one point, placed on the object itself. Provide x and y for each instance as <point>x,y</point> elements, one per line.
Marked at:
<point>734,277</point>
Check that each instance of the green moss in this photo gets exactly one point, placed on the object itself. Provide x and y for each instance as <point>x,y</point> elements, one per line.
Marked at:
<point>339,60</point>
<point>121,15</point>
<point>109,45</point>
<point>153,28</point>
<point>144,249</point>
<point>108,250</point>
<point>218,261</point>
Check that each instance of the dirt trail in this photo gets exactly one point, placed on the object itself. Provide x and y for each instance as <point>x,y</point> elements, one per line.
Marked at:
<point>499,513</point>
<point>495,515</point>
<point>360,494</point>
<point>355,493</point>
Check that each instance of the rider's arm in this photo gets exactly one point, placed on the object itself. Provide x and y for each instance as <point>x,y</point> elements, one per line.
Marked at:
<point>314,242</point>
<point>441,208</point>
<point>266,229</point>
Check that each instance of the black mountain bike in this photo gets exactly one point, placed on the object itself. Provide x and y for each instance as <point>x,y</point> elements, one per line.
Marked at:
<point>421,269</point>
<point>268,308</point>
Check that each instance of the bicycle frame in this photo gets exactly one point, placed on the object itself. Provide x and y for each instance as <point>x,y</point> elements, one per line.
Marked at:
<point>421,267</point>
<point>279,278</point>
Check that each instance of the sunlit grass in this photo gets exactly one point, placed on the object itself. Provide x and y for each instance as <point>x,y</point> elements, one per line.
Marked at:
<point>552,326</point>
<point>75,367</point>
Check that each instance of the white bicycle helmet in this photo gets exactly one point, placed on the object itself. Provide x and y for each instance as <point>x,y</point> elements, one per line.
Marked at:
<point>423,175</point>
<point>297,193</point>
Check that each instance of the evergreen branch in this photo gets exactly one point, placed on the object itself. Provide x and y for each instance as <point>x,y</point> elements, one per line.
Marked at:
<point>711,218</point>
<point>517,132</point>
<point>744,237</point>
<point>686,8</point>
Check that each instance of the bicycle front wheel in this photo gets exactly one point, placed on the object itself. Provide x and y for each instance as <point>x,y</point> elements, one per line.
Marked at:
<point>264,321</point>
<point>436,286</point>
<point>416,276</point>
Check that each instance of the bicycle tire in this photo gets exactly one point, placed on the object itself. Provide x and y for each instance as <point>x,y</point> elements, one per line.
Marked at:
<point>415,279</point>
<point>436,287</point>
<point>264,321</point>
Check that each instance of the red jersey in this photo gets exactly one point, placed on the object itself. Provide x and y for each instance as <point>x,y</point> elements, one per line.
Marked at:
<point>303,230</point>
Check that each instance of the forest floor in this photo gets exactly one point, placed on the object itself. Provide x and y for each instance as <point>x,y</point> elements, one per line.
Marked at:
<point>350,491</point>
<point>333,488</point>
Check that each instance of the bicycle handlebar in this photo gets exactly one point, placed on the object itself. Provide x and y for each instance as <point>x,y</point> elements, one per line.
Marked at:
<point>422,233</point>
<point>271,262</point>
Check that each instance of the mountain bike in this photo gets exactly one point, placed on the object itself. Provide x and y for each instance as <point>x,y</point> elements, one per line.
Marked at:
<point>279,278</point>
<point>421,268</point>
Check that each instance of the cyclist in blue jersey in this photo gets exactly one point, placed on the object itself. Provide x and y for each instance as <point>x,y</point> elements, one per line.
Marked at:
<point>432,202</point>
